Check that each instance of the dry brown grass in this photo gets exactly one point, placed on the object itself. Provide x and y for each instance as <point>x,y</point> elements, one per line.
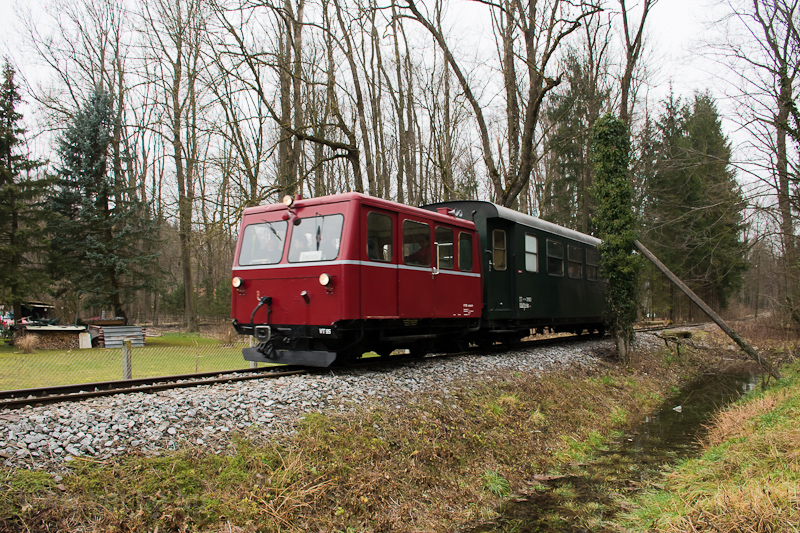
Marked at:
<point>752,508</point>
<point>732,423</point>
<point>28,343</point>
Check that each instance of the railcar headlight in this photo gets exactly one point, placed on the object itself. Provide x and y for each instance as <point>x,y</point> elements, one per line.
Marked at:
<point>236,282</point>
<point>324,280</point>
<point>288,200</point>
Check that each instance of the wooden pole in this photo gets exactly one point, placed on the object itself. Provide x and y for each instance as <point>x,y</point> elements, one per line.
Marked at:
<point>749,350</point>
<point>127,369</point>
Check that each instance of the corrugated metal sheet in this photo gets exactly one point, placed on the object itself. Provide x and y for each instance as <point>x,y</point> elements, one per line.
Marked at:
<point>114,335</point>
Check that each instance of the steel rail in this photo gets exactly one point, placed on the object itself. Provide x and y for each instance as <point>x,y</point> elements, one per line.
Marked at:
<point>61,393</point>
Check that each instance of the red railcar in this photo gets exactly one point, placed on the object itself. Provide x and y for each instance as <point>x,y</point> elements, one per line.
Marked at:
<point>326,279</point>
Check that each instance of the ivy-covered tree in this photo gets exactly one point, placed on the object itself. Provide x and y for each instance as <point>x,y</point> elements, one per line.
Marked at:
<point>694,219</point>
<point>616,226</point>
<point>98,228</point>
<point>21,189</point>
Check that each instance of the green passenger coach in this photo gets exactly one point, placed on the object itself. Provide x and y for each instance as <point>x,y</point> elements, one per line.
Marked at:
<point>536,274</point>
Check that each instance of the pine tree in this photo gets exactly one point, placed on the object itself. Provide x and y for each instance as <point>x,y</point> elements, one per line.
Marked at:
<point>98,230</point>
<point>21,189</point>
<point>571,111</point>
<point>694,221</point>
<point>616,226</point>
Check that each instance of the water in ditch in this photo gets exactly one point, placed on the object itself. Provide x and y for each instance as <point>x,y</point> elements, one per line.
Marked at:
<point>591,495</point>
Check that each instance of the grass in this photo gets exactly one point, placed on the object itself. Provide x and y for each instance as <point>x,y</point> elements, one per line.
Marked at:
<point>438,463</point>
<point>171,354</point>
<point>748,476</point>
<point>442,460</point>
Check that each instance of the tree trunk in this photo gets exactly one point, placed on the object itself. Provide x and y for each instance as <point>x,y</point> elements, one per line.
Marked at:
<point>765,364</point>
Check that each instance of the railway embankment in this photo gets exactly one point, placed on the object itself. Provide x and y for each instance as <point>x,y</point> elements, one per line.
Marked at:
<point>431,446</point>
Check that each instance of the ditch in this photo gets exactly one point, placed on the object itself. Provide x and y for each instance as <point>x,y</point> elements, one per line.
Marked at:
<point>587,497</point>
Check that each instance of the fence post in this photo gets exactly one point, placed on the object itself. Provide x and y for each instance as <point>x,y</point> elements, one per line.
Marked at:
<point>127,369</point>
<point>253,342</point>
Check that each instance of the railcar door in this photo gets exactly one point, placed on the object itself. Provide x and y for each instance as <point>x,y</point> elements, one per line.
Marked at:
<point>416,276</point>
<point>378,263</point>
<point>500,301</point>
<point>457,284</point>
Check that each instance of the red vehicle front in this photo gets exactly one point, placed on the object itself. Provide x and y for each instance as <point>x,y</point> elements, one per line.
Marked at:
<point>326,279</point>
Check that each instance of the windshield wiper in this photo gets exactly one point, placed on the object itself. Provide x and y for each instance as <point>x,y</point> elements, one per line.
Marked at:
<point>272,229</point>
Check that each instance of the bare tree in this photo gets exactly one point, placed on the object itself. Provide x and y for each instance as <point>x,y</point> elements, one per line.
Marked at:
<point>543,26</point>
<point>174,29</point>
<point>634,39</point>
<point>763,51</point>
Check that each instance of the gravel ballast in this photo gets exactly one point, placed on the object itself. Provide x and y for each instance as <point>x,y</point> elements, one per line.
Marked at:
<point>154,423</point>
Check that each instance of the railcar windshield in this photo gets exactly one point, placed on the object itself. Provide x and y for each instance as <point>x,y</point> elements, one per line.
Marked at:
<point>316,239</point>
<point>263,243</point>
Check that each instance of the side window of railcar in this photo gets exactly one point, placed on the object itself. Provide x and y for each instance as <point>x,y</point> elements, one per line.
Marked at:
<point>555,258</point>
<point>379,237</point>
<point>262,243</point>
<point>592,265</point>
<point>465,252</point>
<point>499,249</point>
<point>575,258</point>
<point>316,239</point>
<point>444,239</point>
<point>531,253</point>
<point>416,243</point>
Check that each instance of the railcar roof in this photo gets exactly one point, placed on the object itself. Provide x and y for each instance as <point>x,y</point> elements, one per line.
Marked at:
<point>490,210</point>
<point>362,198</point>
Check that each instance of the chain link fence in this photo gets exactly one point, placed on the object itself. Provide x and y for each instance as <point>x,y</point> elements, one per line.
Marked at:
<point>52,367</point>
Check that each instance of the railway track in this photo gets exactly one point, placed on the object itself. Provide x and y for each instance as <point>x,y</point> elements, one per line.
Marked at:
<point>69,393</point>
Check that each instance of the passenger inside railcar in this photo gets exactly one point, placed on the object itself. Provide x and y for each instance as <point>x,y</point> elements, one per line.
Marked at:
<point>416,243</point>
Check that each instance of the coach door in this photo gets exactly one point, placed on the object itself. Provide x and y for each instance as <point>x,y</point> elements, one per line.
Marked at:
<point>499,274</point>
<point>378,263</point>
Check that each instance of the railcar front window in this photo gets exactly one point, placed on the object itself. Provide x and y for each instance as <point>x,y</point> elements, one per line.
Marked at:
<point>379,237</point>
<point>555,258</point>
<point>531,253</point>
<point>263,243</point>
<point>446,246</point>
<point>465,252</point>
<point>592,265</point>
<point>499,249</point>
<point>575,266</point>
<point>316,239</point>
<point>416,243</point>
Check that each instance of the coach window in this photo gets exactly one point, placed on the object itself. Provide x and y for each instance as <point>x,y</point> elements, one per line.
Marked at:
<point>416,243</point>
<point>316,239</point>
<point>262,244</point>
<point>555,258</point>
<point>592,265</point>
<point>465,252</point>
<point>499,249</point>
<point>531,253</point>
<point>379,237</point>
<point>446,245</point>
<point>575,265</point>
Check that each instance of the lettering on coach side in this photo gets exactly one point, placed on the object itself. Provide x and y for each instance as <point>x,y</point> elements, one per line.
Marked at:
<point>325,331</point>
<point>525,302</point>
